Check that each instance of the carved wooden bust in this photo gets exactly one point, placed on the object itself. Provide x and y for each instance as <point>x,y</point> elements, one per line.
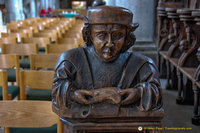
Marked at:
<point>102,79</point>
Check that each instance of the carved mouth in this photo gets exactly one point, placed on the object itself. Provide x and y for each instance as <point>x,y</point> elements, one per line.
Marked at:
<point>108,52</point>
<point>107,55</point>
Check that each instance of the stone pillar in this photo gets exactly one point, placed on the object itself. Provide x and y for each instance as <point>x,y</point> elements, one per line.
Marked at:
<point>47,4</point>
<point>144,14</point>
<point>22,16</point>
<point>42,4</point>
<point>57,4</point>
<point>14,10</point>
<point>54,4</point>
<point>33,8</point>
<point>51,4</point>
<point>1,20</point>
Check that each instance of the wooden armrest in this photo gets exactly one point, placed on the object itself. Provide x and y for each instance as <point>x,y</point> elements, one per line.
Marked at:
<point>189,72</point>
<point>198,84</point>
<point>174,61</point>
<point>163,54</point>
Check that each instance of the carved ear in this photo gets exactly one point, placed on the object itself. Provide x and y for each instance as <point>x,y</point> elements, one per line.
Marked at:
<point>134,26</point>
<point>89,33</point>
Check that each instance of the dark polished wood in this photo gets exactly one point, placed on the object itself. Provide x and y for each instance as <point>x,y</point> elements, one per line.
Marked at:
<point>117,127</point>
<point>181,58</point>
<point>196,86</point>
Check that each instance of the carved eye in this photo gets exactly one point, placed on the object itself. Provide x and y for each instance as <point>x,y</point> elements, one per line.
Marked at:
<point>117,35</point>
<point>101,35</point>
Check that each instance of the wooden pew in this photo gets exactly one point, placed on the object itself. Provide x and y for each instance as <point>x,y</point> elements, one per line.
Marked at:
<point>196,80</point>
<point>188,61</point>
<point>168,46</point>
<point>173,43</point>
<point>166,10</point>
<point>181,59</point>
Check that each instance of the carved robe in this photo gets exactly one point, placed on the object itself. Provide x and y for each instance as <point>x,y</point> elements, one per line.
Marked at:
<point>81,68</point>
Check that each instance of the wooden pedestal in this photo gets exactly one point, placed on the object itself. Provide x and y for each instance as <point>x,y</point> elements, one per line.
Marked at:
<point>112,127</point>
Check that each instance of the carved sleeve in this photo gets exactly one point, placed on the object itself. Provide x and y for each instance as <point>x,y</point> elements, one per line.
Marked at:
<point>62,83</point>
<point>149,84</point>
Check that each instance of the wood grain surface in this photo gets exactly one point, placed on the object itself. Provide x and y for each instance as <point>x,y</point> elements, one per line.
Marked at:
<point>26,114</point>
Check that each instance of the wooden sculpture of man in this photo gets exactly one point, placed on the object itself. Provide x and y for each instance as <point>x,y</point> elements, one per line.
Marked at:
<point>102,79</point>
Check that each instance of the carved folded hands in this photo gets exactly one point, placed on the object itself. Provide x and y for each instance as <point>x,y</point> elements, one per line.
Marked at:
<point>110,94</point>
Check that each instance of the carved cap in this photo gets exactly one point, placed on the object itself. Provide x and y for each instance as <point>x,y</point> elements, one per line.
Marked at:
<point>111,15</point>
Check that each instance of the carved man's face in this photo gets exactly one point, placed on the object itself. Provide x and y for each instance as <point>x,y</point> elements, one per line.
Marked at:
<point>108,40</point>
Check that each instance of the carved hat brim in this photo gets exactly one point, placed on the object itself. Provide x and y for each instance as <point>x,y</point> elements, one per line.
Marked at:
<point>110,15</point>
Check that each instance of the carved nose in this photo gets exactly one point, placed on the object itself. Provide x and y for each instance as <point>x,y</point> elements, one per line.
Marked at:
<point>109,42</point>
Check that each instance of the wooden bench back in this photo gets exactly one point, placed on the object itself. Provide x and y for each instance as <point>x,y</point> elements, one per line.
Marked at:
<point>72,34</point>
<point>10,27</point>
<point>20,49</point>
<point>35,79</point>
<point>8,61</point>
<point>41,41</point>
<point>43,61</point>
<point>52,35</point>
<point>59,48</point>
<point>8,40</point>
<point>28,31</point>
<point>34,28</point>
<point>17,35</point>
<point>68,41</point>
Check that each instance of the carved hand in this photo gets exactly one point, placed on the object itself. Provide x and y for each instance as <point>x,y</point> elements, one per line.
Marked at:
<point>109,94</point>
<point>83,96</point>
<point>130,95</point>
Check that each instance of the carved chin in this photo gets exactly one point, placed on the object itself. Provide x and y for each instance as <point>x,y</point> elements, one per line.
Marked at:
<point>108,57</point>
